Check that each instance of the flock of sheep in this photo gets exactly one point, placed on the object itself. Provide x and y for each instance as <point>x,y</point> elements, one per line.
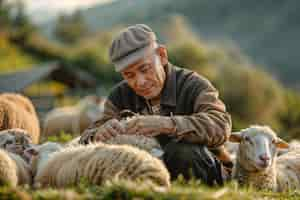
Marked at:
<point>261,158</point>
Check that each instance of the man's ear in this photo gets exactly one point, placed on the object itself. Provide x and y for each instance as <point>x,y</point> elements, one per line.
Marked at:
<point>163,54</point>
<point>280,143</point>
<point>235,137</point>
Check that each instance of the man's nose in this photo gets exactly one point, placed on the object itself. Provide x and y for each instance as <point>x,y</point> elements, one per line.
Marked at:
<point>141,81</point>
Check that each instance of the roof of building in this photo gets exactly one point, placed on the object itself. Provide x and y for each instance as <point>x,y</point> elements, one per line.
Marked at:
<point>17,81</point>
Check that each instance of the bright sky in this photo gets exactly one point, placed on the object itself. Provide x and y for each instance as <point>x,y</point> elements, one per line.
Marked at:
<point>43,9</point>
<point>67,5</point>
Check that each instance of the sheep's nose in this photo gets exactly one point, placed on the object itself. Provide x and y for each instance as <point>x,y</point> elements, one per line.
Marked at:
<point>264,157</point>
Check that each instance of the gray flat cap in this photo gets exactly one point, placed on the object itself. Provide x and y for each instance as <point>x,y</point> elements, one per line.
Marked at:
<point>130,45</point>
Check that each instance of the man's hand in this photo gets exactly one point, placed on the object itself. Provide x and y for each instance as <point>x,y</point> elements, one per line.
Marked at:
<point>149,125</point>
<point>105,132</point>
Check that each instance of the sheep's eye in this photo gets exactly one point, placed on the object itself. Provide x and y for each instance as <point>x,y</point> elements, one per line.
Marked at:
<point>274,141</point>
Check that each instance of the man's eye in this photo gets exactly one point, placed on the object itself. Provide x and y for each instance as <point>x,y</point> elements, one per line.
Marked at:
<point>145,69</point>
<point>9,142</point>
<point>129,76</point>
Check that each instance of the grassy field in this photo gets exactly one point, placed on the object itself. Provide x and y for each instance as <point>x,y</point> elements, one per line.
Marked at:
<point>12,58</point>
<point>126,191</point>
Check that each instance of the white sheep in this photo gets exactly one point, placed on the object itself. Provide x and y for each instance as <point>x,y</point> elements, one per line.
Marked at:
<point>257,163</point>
<point>13,169</point>
<point>96,163</point>
<point>148,144</point>
<point>73,119</point>
<point>17,111</point>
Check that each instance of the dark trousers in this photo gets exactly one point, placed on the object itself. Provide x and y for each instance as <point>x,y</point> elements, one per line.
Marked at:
<point>192,160</point>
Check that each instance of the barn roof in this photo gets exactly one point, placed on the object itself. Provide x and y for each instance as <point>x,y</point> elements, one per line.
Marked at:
<point>17,81</point>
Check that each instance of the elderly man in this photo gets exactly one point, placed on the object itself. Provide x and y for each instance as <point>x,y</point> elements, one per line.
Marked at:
<point>178,107</point>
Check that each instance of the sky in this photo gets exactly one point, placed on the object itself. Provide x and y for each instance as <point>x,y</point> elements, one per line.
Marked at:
<point>43,10</point>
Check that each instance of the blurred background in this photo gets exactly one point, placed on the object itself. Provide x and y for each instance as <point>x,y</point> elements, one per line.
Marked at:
<point>56,52</point>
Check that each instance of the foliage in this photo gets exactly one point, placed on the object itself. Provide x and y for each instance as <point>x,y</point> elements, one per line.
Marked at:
<point>70,28</point>
<point>12,58</point>
<point>290,117</point>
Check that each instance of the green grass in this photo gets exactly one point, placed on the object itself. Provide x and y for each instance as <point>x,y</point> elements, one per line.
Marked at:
<point>12,58</point>
<point>130,191</point>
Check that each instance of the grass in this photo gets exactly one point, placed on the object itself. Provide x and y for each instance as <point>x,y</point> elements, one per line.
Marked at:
<point>130,191</point>
<point>12,58</point>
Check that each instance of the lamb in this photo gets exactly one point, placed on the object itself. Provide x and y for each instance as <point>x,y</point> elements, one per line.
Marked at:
<point>73,119</point>
<point>17,111</point>
<point>257,163</point>
<point>96,163</point>
<point>13,169</point>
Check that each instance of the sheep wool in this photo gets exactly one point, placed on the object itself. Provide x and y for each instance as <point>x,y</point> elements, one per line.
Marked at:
<point>17,111</point>
<point>148,144</point>
<point>98,163</point>
<point>72,119</point>
<point>13,169</point>
<point>281,174</point>
<point>8,170</point>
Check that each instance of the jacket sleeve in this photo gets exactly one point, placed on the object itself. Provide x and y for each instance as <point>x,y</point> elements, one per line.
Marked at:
<point>209,124</point>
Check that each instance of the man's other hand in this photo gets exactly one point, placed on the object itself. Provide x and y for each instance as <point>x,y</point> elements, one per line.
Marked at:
<point>108,130</point>
<point>149,125</point>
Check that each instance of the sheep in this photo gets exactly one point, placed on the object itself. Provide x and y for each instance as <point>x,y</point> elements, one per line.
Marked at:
<point>96,163</point>
<point>8,171</point>
<point>17,111</point>
<point>73,119</point>
<point>148,144</point>
<point>257,163</point>
<point>13,169</point>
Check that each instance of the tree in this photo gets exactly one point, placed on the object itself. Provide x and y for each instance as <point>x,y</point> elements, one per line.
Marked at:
<point>70,28</point>
<point>5,19</point>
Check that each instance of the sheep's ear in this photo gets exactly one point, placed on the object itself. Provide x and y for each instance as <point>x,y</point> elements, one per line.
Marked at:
<point>281,144</point>
<point>235,137</point>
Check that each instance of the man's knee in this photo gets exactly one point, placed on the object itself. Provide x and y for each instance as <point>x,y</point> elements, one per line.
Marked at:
<point>180,158</point>
<point>182,152</point>
<point>190,160</point>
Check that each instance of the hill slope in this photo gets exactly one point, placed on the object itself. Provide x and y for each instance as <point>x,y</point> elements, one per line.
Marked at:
<point>265,30</point>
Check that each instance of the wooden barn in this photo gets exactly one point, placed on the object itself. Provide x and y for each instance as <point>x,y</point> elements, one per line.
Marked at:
<point>49,83</point>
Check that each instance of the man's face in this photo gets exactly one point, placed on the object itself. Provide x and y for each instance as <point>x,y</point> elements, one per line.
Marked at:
<point>146,76</point>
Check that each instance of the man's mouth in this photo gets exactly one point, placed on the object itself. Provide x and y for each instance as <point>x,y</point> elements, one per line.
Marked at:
<point>146,91</point>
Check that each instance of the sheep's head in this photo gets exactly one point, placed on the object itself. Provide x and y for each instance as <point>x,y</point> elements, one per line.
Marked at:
<point>38,155</point>
<point>258,147</point>
<point>15,140</point>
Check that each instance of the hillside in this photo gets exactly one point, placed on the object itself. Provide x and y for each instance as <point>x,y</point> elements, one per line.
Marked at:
<point>265,30</point>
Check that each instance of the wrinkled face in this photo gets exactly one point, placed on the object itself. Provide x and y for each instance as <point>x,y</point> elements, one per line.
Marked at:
<point>146,76</point>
